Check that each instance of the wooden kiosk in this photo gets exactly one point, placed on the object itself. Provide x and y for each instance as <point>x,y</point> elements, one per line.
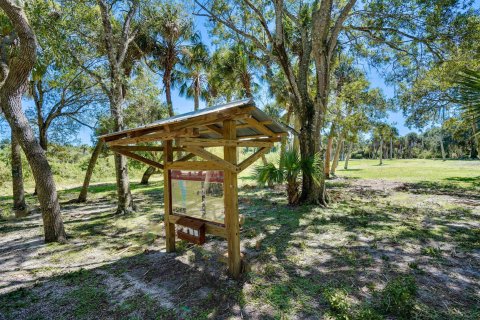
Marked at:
<point>183,139</point>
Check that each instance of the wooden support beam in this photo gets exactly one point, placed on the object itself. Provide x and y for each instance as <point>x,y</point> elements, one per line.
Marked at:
<point>255,143</point>
<point>138,148</point>
<point>247,125</point>
<point>186,157</point>
<point>210,227</point>
<point>250,160</point>
<point>138,158</point>
<point>211,157</point>
<point>215,129</point>
<point>187,132</point>
<point>206,142</point>
<point>230,196</point>
<point>167,197</point>
<point>194,165</point>
<point>260,127</point>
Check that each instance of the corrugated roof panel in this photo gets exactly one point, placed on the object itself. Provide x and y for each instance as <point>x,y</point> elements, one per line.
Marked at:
<point>256,113</point>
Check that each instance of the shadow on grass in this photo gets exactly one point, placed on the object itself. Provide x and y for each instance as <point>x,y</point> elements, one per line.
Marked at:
<point>296,271</point>
<point>472,181</point>
<point>438,188</point>
<point>154,285</point>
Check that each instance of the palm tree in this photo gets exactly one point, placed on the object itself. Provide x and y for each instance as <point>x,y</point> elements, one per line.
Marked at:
<point>194,74</point>
<point>289,170</point>
<point>173,33</point>
<point>233,71</point>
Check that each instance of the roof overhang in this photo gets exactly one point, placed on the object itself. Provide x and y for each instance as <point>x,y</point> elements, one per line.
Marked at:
<point>205,124</point>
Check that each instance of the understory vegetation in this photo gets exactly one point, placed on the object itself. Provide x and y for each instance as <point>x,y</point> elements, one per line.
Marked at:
<point>384,249</point>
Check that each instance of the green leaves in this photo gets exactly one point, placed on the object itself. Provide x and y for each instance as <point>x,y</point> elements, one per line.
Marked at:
<point>468,85</point>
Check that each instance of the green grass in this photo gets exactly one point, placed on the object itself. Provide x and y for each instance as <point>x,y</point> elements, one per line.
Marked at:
<point>456,172</point>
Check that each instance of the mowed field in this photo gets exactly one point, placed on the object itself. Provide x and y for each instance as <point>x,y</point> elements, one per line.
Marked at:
<point>398,241</point>
<point>457,172</point>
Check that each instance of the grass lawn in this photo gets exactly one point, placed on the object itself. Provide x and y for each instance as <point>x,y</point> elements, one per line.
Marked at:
<point>400,241</point>
<point>461,173</point>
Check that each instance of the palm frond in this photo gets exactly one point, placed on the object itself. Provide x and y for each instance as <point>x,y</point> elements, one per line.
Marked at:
<point>468,85</point>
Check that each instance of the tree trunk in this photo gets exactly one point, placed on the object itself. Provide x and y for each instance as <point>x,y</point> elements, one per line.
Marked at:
<point>336,156</point>
<point>285,139</point>
<point>88,174</point>
<point>310,140</point>
<point>196,97</point>
<point>14,86</point>
<point>391,148</point>
<point>328,152</point>
<point>168,93</point>
<point>347,157</point>
<point>147,174</point>
<point>43,137</point>
<point>380,153</point>
<point>442,148</point>
<point>19,205</point>
<point>476,136</point>
<point>125,200</point>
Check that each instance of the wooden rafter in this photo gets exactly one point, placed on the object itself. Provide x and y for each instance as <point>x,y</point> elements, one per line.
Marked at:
<point>206,142</point>
<point>260,127</point>
<point>250,160</point>
<point>139,148</point>
<point>187,132</point>
<point>211,157</point>
<point>195,165</point>
<point>138,157</point>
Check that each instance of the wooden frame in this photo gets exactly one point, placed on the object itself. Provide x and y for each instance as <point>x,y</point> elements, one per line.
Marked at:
<point>231,127</point>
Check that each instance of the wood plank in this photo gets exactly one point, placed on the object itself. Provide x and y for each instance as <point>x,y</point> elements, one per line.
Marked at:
<point>206,142</point>
<point>255,143</point>
<point>138,158</point>
<point>250,160</point>
<point>186,157</point>
<point>230,196</point>
<point>139,148</point>
<point>215,129</point>
<point>187,132</point>
<point>247,125</point>
<point>260,127</point>
<point>210,227</point>
<point>194,165</point>
<point>211,157</point>
<point>167,196</point>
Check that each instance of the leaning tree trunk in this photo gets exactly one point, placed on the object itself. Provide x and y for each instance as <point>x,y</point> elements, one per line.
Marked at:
<point>147,174</point>
<point>14,86</point>
<point>380,153</point>
<point>336,156</point>
<point>19,206</point>
<point>88,174</point>
<point>347,157</point>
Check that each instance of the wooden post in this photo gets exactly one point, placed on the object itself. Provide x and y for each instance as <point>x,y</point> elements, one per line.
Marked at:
<point>167,196</point>
<point>230,195</point>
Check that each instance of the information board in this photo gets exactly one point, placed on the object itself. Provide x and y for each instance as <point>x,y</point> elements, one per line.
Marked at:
<point>198,194</point>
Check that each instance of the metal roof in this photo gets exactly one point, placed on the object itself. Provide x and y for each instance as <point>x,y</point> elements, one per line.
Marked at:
<point>255,113</point>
